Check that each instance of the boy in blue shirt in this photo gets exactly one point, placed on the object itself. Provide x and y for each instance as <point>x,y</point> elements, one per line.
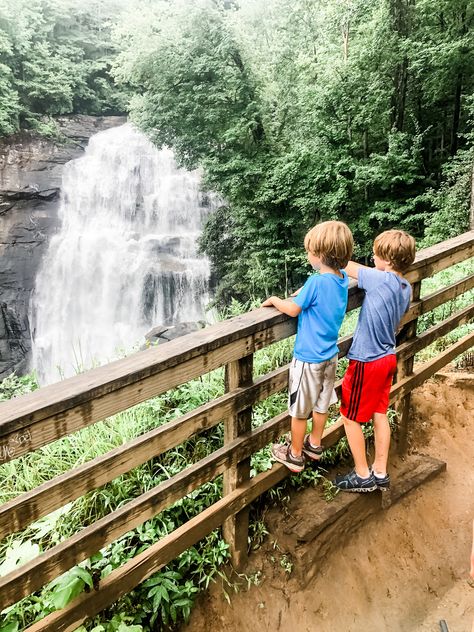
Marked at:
<point>367,382</point>
<point>320,306</point>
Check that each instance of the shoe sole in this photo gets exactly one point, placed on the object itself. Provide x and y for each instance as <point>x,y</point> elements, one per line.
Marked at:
<point>296,469</point>
<point>311,455</point>
<point>358,490</point>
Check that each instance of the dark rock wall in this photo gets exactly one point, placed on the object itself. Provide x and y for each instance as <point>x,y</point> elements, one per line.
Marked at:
<point>30,180</point>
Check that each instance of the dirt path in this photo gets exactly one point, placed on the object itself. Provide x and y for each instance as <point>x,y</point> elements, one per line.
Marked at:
<point>404,570</point>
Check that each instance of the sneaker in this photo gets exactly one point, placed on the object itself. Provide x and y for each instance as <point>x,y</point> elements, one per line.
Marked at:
<point>282,453</point>
<point>383,482</point>
<point>352,482</point>
<point>311,451</point>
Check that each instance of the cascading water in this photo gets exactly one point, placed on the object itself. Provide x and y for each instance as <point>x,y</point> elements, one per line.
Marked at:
<point>125,258</point>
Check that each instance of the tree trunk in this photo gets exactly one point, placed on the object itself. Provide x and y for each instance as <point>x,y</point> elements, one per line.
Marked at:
<point>456,114</point>
<point>400,18</point>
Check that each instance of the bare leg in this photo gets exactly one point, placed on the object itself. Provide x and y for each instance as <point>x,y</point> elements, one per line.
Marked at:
<point>356,439</point>
<point>319,421</point>
<point>382,442</point>
<point>298,431</point>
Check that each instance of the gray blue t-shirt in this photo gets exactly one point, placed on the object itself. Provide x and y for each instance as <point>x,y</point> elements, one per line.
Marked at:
<point>387,297</point>
<point>323,302</point>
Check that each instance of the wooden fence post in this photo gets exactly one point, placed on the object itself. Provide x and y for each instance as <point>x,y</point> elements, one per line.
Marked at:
<point>235,529</point>
<point>405,368</point>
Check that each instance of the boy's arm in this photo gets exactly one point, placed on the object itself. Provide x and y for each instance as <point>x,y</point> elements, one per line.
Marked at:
<point>286,306</point>
<point>352,269</point>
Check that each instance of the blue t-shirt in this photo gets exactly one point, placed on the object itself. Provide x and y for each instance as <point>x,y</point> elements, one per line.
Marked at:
<point>387,297</point>
<point>323,302</point>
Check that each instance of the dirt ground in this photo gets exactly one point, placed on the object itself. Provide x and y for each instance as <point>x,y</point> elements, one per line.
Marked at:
<point>405,569</point>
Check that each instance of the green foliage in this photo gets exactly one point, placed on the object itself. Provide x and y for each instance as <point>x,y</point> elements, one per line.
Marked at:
<point>304,111</point>
<point>55,58</point>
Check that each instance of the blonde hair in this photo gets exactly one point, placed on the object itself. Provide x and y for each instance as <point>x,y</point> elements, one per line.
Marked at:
<point>332,242</point>
<point>397,247</point>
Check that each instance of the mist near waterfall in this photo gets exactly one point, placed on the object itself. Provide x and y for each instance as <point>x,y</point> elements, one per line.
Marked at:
<point>125,258</point>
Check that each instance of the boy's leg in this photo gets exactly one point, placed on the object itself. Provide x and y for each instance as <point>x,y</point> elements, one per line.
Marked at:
<point>298,431</point>
<point>382,443</point>
<point>319,421</point>
<point>356,440</point>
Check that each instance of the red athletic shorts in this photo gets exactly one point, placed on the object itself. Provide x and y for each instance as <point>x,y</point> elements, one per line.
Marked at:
<point>366,388</point>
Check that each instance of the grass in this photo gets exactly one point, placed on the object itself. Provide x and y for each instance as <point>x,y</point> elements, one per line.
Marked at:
<point>164,600</point>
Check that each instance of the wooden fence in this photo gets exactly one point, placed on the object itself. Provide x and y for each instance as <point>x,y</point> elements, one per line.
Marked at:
<point>34,420</point>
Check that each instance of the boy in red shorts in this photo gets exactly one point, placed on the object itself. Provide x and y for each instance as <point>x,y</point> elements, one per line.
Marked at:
<point>367,382</point>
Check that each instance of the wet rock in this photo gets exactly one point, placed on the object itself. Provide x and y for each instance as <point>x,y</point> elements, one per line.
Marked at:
<point>30,179</point>
<point>161,334</point>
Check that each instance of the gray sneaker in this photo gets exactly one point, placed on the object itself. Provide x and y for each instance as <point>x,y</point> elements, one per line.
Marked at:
<point>314,453</point>
<point>282,453</point>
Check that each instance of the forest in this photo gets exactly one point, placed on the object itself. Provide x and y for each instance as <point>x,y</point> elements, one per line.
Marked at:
<point>296,111</point>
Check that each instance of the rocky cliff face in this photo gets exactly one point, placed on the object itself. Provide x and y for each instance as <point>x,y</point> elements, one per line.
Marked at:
<point>30,181</point>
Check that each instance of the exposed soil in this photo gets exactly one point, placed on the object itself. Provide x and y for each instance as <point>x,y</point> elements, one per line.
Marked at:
<point>405,569</point>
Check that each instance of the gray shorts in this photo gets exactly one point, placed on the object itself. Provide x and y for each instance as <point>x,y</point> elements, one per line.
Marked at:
<point>311,387</point>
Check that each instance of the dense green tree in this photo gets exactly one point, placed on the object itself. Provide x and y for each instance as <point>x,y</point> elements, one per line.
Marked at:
<point>300,111</point>
<point>55,58</point>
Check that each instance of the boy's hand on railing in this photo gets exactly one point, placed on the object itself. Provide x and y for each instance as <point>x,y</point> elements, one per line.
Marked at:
<point>286,306</point>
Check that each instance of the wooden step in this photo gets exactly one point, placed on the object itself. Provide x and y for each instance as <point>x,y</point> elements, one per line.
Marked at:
<point>315,527</point>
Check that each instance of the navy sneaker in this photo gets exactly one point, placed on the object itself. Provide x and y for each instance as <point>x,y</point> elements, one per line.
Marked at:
<point>382,482</point>
<point>352,482</point>
<point>314,453</point>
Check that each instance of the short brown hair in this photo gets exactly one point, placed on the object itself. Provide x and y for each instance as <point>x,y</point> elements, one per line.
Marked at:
<point>331,241</point>
<point>397,247</point>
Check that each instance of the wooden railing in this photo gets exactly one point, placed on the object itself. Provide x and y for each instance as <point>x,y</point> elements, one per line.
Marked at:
<point>34,420</point>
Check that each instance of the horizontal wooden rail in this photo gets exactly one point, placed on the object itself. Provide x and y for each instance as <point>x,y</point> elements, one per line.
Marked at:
<point>427,369</point>
<point>122,580</point>
<point>17,442</point>
<point>423,340</point>
<point>431,301</point>
<point>85,399</point>
<point>33,435</point>
<point>441,256</point>
<point>30,506</point>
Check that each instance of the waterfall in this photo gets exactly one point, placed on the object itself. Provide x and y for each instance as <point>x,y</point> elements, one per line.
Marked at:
<point>125,258</point>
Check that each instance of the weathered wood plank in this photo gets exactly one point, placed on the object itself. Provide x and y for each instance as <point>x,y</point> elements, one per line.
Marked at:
<point>405,386</point>
<point>31,576</point>
<point>431,260</point>
<point>29,507</point>
<point>428,303</point>
<point>16,440</point>
<point>235,529</point>
<point>212,347</point>
<point>124,579</point>
<point>337,521</point>
<point>423,340</point>
<point>405,368</point>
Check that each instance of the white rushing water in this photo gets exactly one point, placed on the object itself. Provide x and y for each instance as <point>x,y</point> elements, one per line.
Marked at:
<point>125,258</point>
